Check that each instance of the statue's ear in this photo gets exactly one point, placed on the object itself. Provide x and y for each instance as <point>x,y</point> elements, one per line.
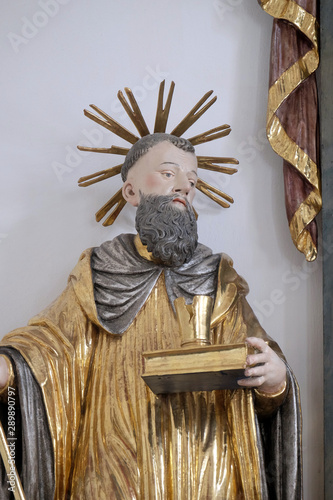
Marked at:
<point>130,194</point>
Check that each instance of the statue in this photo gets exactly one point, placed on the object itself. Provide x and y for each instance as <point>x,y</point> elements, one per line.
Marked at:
<point>88,425</point>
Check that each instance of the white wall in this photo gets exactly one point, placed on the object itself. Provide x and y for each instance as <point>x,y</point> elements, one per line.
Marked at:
<point>83,52</point>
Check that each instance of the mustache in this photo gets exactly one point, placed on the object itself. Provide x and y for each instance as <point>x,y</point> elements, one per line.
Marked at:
<point>165,200</point>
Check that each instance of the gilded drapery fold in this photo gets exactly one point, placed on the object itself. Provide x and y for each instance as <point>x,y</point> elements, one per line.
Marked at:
<point>292,114</point>
<point>57,344</point>
<point>112,436</point>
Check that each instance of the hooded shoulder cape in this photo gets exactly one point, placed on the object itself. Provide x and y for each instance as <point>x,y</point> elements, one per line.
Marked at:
<point>123,280</point>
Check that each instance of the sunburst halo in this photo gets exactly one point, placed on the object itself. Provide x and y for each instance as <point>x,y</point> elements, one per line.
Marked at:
<point>114,205</point>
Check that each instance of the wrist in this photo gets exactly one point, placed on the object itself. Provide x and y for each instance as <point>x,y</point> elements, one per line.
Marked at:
<point>267,403</point>
<point>274,391</point>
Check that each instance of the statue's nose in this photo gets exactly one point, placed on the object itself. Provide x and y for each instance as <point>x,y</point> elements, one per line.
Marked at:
<point>182,184</point>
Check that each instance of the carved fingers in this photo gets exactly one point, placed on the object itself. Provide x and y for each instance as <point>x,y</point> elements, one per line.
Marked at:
<point>265,370</point>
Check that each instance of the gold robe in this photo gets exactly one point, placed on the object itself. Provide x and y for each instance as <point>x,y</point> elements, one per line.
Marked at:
<point>111,436</point>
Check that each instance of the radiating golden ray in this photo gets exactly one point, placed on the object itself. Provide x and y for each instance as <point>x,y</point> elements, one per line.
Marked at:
<point>217,168</point>
<point>134,113</point>
<point>194,114</point>
<point>217,159</point>
<point>114,150</point>
<point>210,135</point>
<point>116,203</point>
<point>207,189</point>
<point>99,176</point>
<point>162,114</point>
<point>111,124</point>
<point>114,214</point>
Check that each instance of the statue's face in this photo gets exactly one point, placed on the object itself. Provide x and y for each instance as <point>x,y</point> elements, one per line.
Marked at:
<point>163,170</point>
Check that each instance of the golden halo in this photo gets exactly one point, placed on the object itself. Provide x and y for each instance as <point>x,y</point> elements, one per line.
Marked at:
<point>114,206</point>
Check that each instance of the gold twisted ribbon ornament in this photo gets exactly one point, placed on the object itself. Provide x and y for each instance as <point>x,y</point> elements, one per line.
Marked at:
<point>293,65</point>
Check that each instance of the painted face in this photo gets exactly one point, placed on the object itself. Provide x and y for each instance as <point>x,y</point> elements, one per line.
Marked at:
<point>164,170</point>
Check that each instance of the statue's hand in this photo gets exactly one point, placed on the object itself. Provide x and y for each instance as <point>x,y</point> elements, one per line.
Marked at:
<point>270,375</point>
<point>4,374</point>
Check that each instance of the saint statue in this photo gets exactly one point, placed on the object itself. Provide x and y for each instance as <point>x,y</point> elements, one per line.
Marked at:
<point>88,426</point>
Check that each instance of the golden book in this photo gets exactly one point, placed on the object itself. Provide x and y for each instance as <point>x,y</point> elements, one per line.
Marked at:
<point>201,368</point>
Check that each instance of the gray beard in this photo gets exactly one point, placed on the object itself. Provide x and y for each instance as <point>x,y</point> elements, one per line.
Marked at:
<point>169,233</point>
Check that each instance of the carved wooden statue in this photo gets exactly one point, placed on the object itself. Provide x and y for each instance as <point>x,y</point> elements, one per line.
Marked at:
<point>88,425</point>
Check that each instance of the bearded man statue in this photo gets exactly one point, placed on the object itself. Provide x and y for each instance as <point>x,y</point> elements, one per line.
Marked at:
<point>89,426</point>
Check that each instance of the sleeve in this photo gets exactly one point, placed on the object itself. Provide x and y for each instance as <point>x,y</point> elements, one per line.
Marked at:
<point>234,321</point>
<point>24,420</point>
<point>57,347</point>
<point>278,420</point>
